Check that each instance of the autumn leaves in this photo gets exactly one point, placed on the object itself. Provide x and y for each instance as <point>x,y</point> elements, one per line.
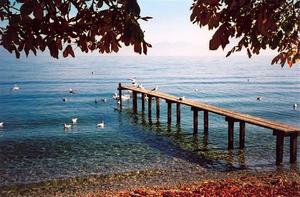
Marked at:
<point>61,26</point>
<point>257,25</point>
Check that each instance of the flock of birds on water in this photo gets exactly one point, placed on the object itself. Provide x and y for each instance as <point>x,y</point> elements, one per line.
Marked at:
<point>115,97</point>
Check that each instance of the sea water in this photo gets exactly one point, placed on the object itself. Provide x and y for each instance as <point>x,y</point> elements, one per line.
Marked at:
<point>35,147</point>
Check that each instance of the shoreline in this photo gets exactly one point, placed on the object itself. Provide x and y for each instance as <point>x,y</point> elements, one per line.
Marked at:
<point>150,183</point>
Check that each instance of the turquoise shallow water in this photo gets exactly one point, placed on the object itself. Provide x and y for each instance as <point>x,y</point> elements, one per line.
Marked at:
<point>34,146</point>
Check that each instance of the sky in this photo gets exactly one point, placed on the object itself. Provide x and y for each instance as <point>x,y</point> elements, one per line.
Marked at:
<point>170,31</point>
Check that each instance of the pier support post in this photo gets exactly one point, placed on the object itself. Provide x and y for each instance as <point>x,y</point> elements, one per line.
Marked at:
<point>195,115</point>
<point>178,114</point>
<point>242,134</point>
<point>134,101</point>
<point>279,146</point>
<point>157,108</point>
<point>149,107</point>
<point>293,148</point>
<point>143,102</point>
<point>169,112</point>
<point>120,95</point>
<point>230,133</point>
<point>205,122</point>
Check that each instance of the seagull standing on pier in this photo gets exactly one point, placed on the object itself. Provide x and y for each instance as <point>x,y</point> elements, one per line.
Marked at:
<point>155,89</point>
<point>140,86</point>
<point>133,80</point>
<point>182,98</point>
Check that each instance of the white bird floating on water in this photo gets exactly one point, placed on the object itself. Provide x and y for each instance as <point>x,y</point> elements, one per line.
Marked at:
<point>155,89</point>
<point>71,91</point>
<point>1,124</point>
<point>123,97</point>
<point>196,90</point>
<point>15,88</point>
<point>182,98</point>
<point>93,73</point>
<point>101,124</point>
<point>295,106</point>
<point>115,96</point>
<point>67,126</point>
<point>74,120</point>
<point>258,98</point>
<point>65,99</point>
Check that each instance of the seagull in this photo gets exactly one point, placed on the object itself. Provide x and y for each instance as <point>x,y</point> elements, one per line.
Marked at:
<point>93,73</point>
<point>115,96</point>
<point>15,88</point>
<point>71,91</point>
<point>196,90</point>
<point>65,99</point>
<point>140,86</point>
<point>133,80</point>
<point>295,106</point>
<point>125,97</point>
<point>1,124</point>
<point>101,124</point>
<point>104,100</point>
<point>67,126</point>
<point>135,84</point>
<point>181,98</point>
<point>155,89</point>
<point>258,98</point>
<point>74,120</point>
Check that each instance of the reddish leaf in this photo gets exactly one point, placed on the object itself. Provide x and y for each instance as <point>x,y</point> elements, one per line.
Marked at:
<point>27,8</point>
<point>68,51</point>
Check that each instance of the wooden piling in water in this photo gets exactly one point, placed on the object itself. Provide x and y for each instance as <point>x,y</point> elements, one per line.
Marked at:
<point>120,95</point>
<point>242,134</point>
<point>230,133</point>
<point>157,108</point>
<point>293,148</point>
<point>149,107</point>
<point>134,102</point>
<point>279,146</point>
<point>205,122</point>
<point>178,114</point>
<point>169,111</point>
<point>195,120</point>
<point>143,102</point>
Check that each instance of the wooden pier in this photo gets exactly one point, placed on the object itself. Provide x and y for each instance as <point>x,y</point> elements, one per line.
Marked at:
<point>279,130</point>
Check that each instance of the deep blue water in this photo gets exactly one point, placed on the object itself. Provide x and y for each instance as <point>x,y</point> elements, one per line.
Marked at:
<point>34,146</point>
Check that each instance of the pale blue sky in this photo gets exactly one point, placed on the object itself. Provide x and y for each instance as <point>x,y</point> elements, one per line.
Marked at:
<point>170,31</point>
